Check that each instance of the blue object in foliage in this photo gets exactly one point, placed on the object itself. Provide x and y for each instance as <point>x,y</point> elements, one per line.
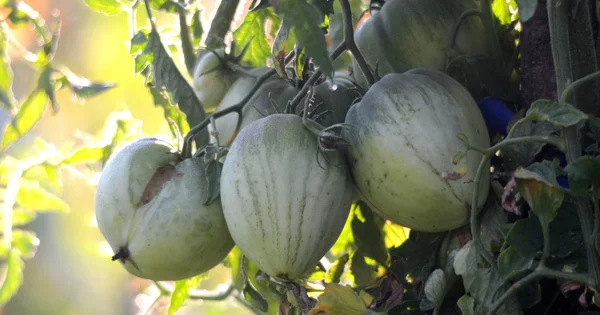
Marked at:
<point>496,114</point>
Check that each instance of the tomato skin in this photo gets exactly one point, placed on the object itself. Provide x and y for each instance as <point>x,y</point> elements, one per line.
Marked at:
<point>403,136</point>
<point>407,34</point>
<point>212,79</point>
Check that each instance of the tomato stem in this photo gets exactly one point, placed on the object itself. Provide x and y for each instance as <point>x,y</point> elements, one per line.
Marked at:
<point>187,48</point>
<point>351,44</point>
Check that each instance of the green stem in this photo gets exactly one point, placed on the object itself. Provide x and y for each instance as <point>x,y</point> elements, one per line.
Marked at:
<point>351,44</point>
<point>571,87</point>
<point>195,294</point>
<point>456,28</point>
<point>475,228</point>
<point>540,272</point>
<point>559,15</point>
<point>558,143</point>
<point>186,41</point>
<point>596,202</point>
<point>546,235</point>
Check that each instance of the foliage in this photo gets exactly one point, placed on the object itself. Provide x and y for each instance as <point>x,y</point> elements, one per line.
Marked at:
<point>537,235</point>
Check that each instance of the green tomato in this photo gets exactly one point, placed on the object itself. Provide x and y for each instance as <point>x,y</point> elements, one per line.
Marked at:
<point>407,34</point>
<point>212,79</point>
<point>283,209</point>
<point>150,208</point>
<point>403,138</point>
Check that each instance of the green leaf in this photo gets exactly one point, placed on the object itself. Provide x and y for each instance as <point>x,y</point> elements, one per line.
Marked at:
<point>86,155</point>
<point>82,87</point>
<point>584,174</point>
<point>526,9</point>
<point>234,261</point>
<point>32,196</point>
<point>166,76</point>
<point>29,114</point>
<point>171,112</point>
<point>435,287</point>
<point>20,217</point>
<point>416,257</point>
<point>284,43</point>
<point>196,28</point>
<point>254,298</point>
<point>306,22</point>
<point>466,305</point>
<point>501,11</point>
<point>252,33</point>
<point>182,291</point>
<point>13,276</point>
<point>524,242</point>
<point>6,76</point>
<point>484,285</point>
<point>108,7</point>
<point>544,199</point>
<point>25,242</point>
<point>336,269</point>
<point>524,153</point>
<point>170,6</point>
<point>559,114</point>
<point>368,236</point>
<point>363,272</point>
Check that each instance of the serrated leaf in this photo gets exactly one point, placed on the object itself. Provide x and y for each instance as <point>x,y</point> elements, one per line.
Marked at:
<point>165,75</point>
<point>306,21</point>
<point>182,292</point>
<point>584,174</point>
<point>82,87</point>
<point>339,299</point>
<point>21,217</point>
<point>557,113</point>
<point>284,43</point>
<point>543,198</point>
<point>32,196</point>
<point>29,114</point>
<point>13,276</point>
<point>7,98</point>
<point>108,7</point>
<point>526,9</point>
<point>86,155</point>
<point>336,269</point>
<point>252,32</point>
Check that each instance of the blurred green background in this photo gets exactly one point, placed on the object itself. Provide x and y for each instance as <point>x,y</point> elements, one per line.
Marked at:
<point>72,272</point>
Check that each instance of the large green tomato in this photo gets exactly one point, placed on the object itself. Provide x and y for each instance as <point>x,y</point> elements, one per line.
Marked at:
<point>403,138</point>
<point>407,34</point>
<point>284,211</point>
<point>150,208</point>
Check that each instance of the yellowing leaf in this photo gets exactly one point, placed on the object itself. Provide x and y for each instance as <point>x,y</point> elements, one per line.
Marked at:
<point>339,300</point>
<point>33,197</point>
<point>29,114</point>
<point>182,291</point>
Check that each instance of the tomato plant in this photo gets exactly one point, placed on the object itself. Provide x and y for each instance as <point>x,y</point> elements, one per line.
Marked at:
<point>339,157</point>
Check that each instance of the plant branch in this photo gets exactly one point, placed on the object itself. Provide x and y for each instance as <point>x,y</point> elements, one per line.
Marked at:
<point>558,143</point>
<point>205,295</point>
<point>186,41</point>
<point>221,23</point>
<point>540,272</point>
<point>351,44</point>
<point>314,77</point>
<point>301,296</point>
<point>596,203</point>
<point>559,15</point>
<point>571,87</point>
